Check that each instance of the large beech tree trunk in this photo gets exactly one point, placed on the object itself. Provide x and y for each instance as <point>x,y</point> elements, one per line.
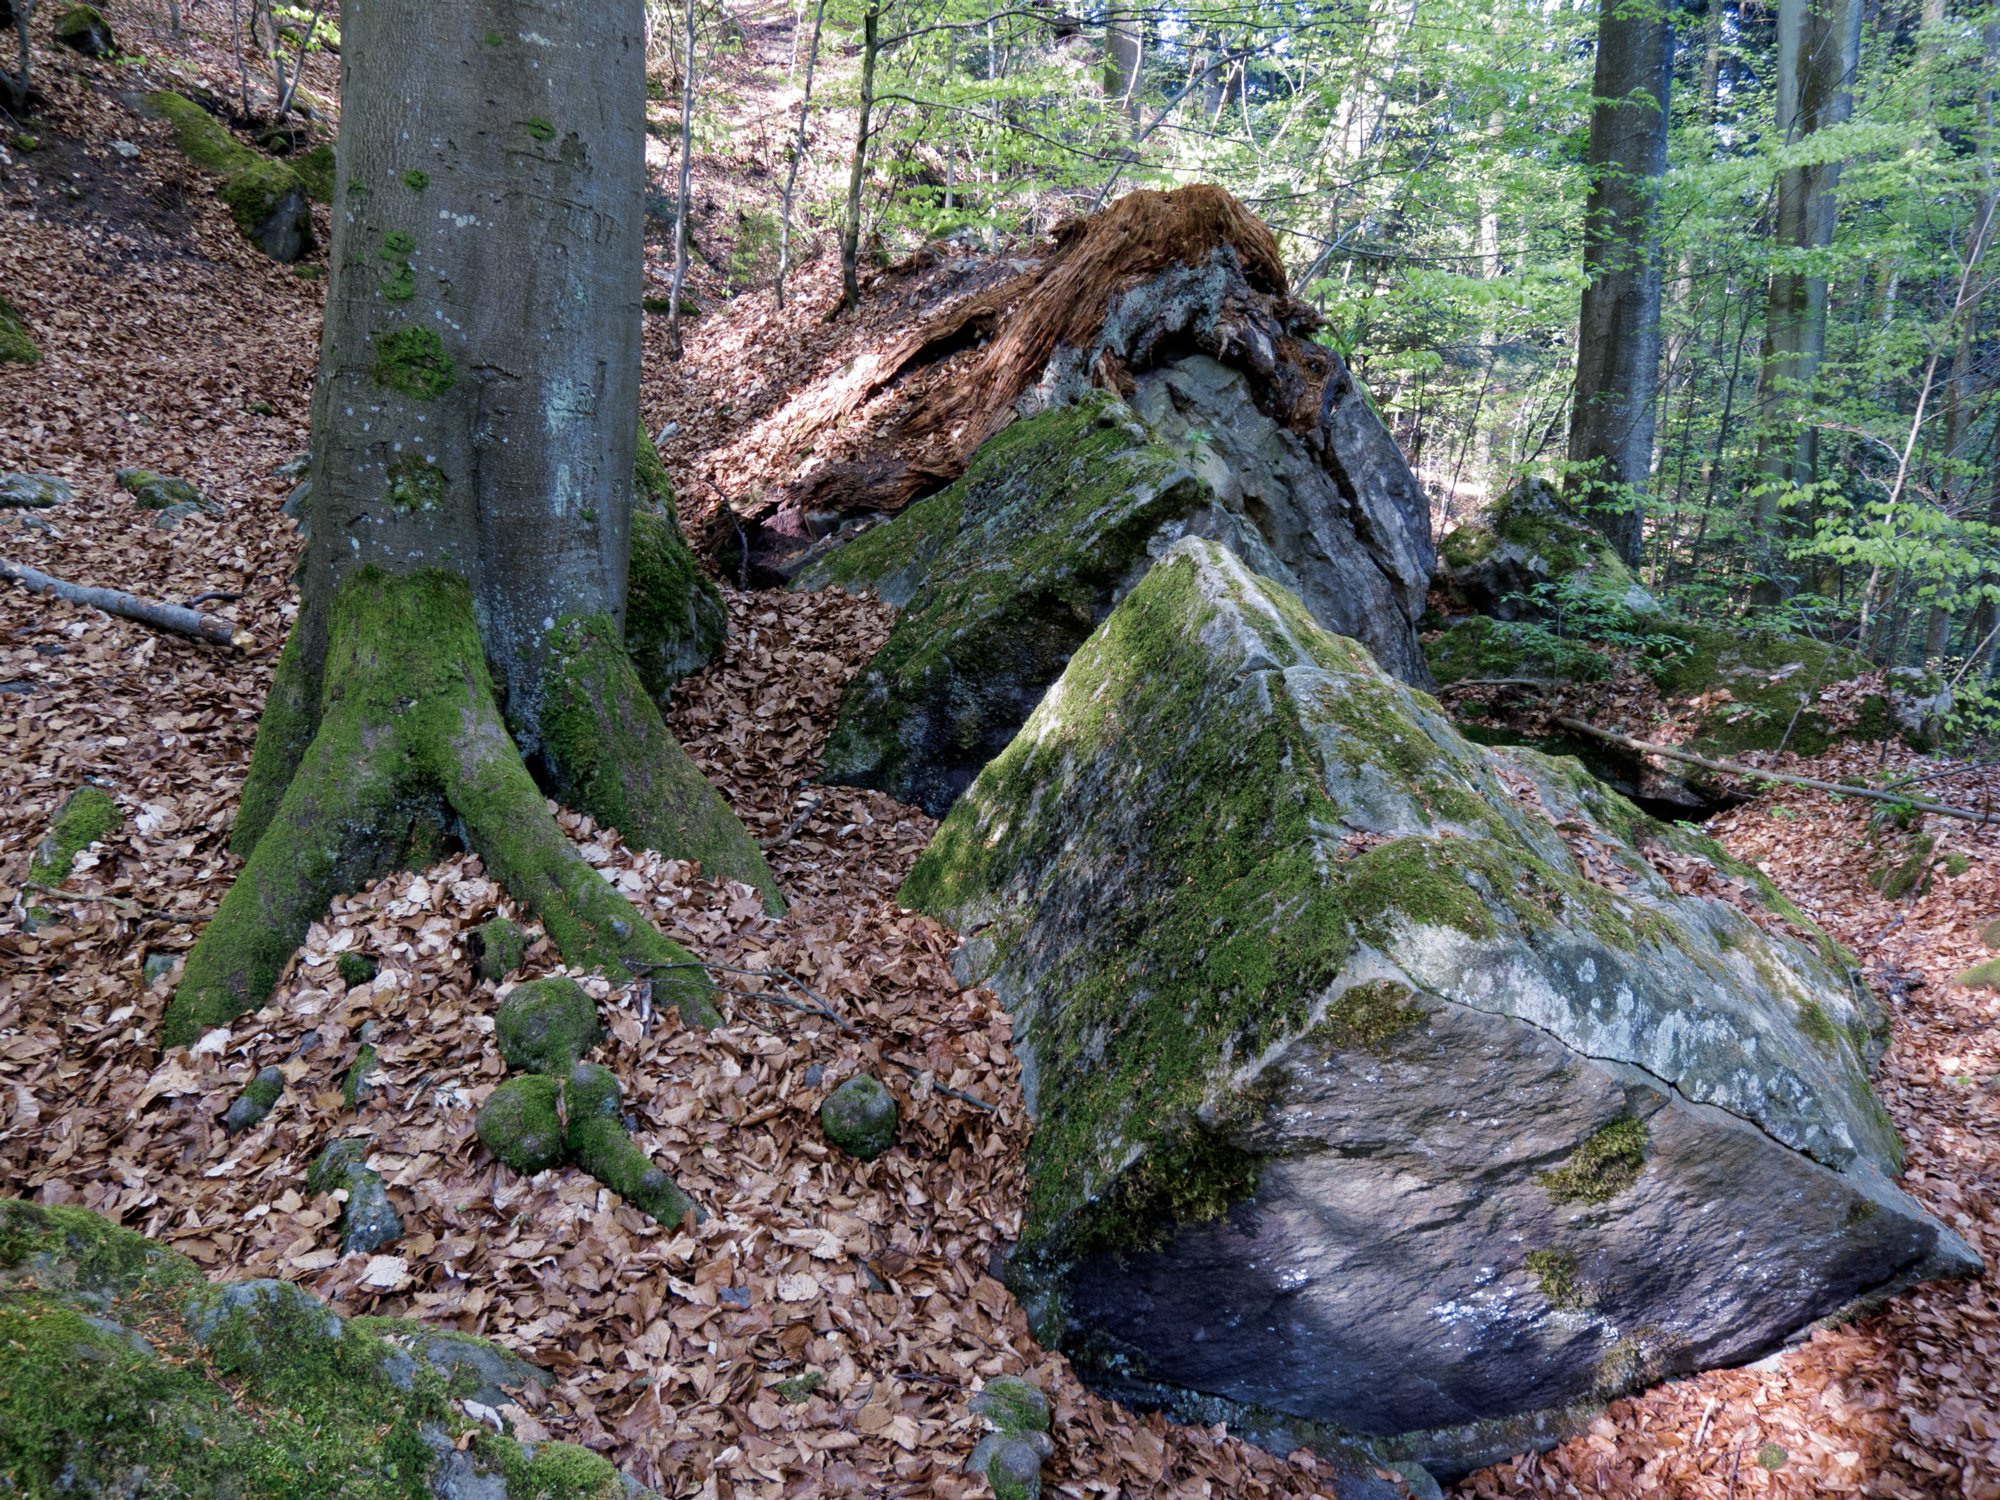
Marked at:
<point>1618,332</point>
<point>474,424</point>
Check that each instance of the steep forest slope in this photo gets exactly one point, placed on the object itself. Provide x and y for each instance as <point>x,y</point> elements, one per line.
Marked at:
<point>822,1331</point>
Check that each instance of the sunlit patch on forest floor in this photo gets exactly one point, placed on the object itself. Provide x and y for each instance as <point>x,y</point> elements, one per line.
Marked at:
<point>679,1352</point>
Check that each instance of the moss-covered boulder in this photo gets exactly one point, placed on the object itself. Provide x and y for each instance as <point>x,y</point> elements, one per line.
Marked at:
<point>267,199</point>
<point>82,28</point>
<point>1502,561</point>
<point>124,1372</point>
<point>17,346</point>
<point>1482,649</point>
<point>521,1124</point>
<point>1330,1020</point>
<point>860,1117</point>
<point>497,947</point>
<point>1001,576</point>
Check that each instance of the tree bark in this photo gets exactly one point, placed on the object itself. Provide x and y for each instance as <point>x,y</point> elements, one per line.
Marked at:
<point>1819,46</point>
<point>474,429</point>
<point>1123,53</point>
<point>857,175</point>
<point>1616,395</point>
<point>797,157</point>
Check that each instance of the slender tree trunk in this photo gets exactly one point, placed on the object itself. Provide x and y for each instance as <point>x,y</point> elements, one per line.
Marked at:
<point>22,82</point>
<point>474,430</point>
<point>850,229</point>
<point>684,208</point>
<point>798,157</point>
<point>1123,53</point>
<point>1819,45</point>
<point>1613,413</point>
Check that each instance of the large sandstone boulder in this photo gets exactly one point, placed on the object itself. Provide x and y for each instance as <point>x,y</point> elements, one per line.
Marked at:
<point>1003,575</point>
<point>1386,1084</point>
<point>110,1351</point>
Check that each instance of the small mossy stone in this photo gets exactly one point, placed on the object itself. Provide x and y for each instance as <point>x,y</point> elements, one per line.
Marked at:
<point>1011,1463</point>
<point>259,1097</point>
<point>156,965</point>
<point>860,1117</point>
<point>331,1168</point>
<point>1012,1405</point>
<point>359,1083</point>
<point>272,209</point>
<point>28,491</point>
<point>497,947</point>
<point>151,491</point>
<point>16,346</point>
<point>355,969</point>
<point>546,1026</point>
<point>1990,934</point>
<point>315,169</point>
<point>1981,976</point>
<point>521,1126</point>
<point>82,28</point>
<point>87,815</point>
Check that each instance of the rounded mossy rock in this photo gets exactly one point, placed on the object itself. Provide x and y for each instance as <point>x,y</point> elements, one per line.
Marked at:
<point>520,1124</point>
<point>1317,1000</point>
<point>86,816</point>
<point>17,346</point>
<point>1012,1463</point>
<point>1012,1405</point>
<point>29,491</point>
<point>498,947</point>
<point>109,1349</point>
<point>1505,561</point>
<point>860,1117</point>
<point>315,170</point>
<point>82,28</point>
<point>267,199</point>
<point>546,1026</point>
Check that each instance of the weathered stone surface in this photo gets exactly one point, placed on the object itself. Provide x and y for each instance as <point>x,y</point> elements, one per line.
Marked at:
<point>259,1097</point>
<point>150,491</point>
<point>1387,1083</point>
<point>1003,575</point>
<point>32,491</point>
<point>1525,540</point>
<point>367,1408</point>
<point>368,1220</point>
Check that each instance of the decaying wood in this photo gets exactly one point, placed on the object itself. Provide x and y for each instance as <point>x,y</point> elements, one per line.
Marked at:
<point>1738,768</point>
<point>1021,322</point>
<point>161,616</point>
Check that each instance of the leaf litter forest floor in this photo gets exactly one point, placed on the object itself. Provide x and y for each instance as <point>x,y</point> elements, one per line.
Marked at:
<point>670,1347</point>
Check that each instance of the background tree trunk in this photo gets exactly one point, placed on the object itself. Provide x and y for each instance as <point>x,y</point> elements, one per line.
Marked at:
<point>1123,53</point>
<point>1819,46</point>
<point>1612,413</point>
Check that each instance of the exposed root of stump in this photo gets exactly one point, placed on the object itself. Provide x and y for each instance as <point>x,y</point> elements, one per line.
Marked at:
<point>401,751</point>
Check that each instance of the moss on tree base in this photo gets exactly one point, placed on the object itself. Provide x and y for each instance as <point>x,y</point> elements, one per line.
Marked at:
<point>408,747</point>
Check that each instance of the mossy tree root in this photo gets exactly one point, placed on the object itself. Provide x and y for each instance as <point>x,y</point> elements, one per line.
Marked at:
<point>406,749</point>
<point>610,754</point>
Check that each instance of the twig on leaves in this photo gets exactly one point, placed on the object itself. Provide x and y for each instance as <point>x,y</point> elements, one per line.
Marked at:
<point>119,904</point>
<point>175,617</point>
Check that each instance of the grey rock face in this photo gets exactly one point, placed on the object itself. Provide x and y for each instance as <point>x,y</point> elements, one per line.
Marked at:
<point>368,1220</point>
<point>32,491</point>
<point>1525,540</point>
<point>1385,1083</point>
<point>1002,575</point>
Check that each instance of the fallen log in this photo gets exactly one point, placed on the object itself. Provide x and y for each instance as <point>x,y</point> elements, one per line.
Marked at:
<point>1783,778</point>
<point>161,616</point>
